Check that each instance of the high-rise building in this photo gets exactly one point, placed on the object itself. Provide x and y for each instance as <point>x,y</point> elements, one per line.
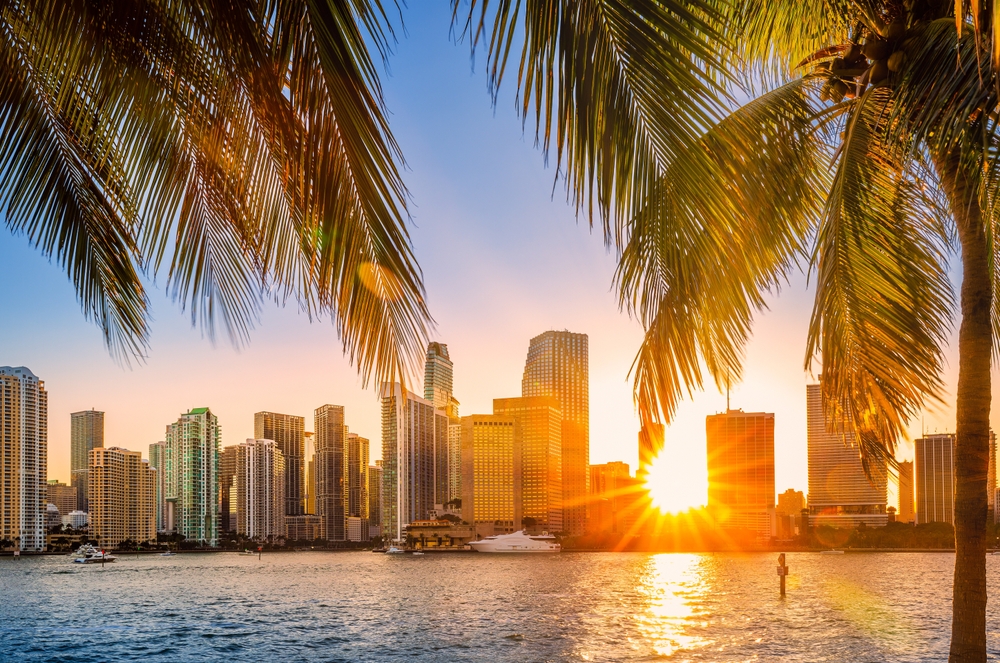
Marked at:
<point>260,490</point>
<point>616,498</point>
<point>375,500</point>
<point>409,439</point>
<point>540,424</point>
<point>191,463</point>
<point>790,503</point>
<point>934,476</point>
<point>288,432</point>
<point>331,434</point>
<point>840,493</point>
<point>558,366</point>
<point>454,460</point>
<point>438,376</point>
<point>651,438</point>
<point>86,432</point>
<point>740,457</point>
<point>156,461</point>
<point>228,505</point>
<point>309,460</point>
<point>24,422</point>
<point>122,497</point>
<point>63,496</point>
<point>356,485</point>
<point>491,474</point>
<point>907,509</point>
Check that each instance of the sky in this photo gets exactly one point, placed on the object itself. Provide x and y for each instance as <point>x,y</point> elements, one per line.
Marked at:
<point>504,258</point>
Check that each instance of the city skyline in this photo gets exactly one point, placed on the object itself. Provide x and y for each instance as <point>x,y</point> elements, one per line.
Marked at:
<point>527,265</point>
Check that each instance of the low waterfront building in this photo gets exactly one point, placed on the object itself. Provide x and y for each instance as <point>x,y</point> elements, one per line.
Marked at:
<point>442,534</point>
<point>357,529</point>
<point>77,519</point>
<point>52,517</point>
<point>307,527</point>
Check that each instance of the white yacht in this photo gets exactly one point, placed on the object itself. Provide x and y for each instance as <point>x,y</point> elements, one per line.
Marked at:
<point>518,542</point>
<point>88,554</point>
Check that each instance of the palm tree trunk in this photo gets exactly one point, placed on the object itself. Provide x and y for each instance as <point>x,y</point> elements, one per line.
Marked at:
<point>972,411</point>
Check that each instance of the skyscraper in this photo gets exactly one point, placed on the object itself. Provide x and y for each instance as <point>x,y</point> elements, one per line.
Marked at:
<point>228,464</point>
<point>491,474</point>
<point>408,454</point>
<point>260,490</point>
<point>356,484</point>
<point>122,497</point>
<point>288,432</point>
<point>63,496</point>
<point>191,463</point>
<point>438,390</point>
<point>540,424</point>
<point>156,462</point>
<point>24,422</point>
<point>741,469</point>
<point>86,432</point>
<point>934,476</point>
<point>375,500</point>
<point>557,366</point>
<point>616,498</point>
<point>907,509</point>
<point>330,436</point>
<point>309,460</point>
<point>839,492</point>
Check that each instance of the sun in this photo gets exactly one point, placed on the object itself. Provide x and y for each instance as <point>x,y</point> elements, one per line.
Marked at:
<point>674,486</point>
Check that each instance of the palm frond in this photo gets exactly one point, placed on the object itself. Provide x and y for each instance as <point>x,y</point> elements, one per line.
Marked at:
<point>883,300</point>
<point>617,89</point>
<point>241,147</point>
<point>703,253</point>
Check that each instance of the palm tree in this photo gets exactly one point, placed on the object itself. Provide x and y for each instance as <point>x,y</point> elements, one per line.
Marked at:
<point>902,97</point>
<point>237,149</point>
<point>240,149</point>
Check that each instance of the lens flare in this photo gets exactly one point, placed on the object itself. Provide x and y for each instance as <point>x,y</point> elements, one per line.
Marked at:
<point>675,487</point>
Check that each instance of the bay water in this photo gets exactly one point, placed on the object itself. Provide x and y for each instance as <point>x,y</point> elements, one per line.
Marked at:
<point>360,606</point>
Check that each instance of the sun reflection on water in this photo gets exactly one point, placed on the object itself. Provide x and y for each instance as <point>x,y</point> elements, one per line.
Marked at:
<point>673,590</point>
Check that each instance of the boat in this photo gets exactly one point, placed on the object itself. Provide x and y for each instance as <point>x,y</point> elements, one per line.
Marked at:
<point>518,542</point>
<point>417,552</point>
<point>831,552</point>
<point>88,554</point>
<point>168,554</point>
<point>248,552</point>
<point>393,550</point>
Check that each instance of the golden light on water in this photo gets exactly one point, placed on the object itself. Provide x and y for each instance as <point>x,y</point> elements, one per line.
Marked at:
<point>675,487</point>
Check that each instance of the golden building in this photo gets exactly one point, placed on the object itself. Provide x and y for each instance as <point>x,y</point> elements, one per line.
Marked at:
<point>62,495</point>
<point>260,490</point>
<point>122,488</point>
<point>288,433</point>
<point>790,503</point>
<point>310,465</point>
<point>442,534</point>
<point>558,366</point>
<point>740,448</point>
<point>539,422</point>
<point>356,487</point>
<point>227,489</point>
<point>331,434</point>
<point>906,512</point>
<point>617,498</point>
<point>23,457</point>
<point>491,474</point>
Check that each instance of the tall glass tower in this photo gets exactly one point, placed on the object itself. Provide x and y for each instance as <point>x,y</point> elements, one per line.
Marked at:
<point>191,464</point>
<point>558,366</point>
<point>86,432</point>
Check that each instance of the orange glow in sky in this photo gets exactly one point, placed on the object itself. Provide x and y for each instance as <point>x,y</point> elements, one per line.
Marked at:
<point>675,487</point>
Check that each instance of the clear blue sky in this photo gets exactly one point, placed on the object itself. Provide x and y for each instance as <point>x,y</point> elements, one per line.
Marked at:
<point>503,258</point>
